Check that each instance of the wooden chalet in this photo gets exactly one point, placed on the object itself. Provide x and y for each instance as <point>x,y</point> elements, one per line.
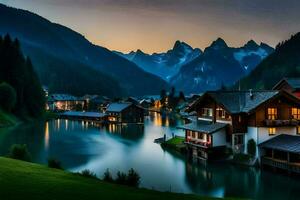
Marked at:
<point>291,85</point>
<point>235,117</point>
<point>125,113</point>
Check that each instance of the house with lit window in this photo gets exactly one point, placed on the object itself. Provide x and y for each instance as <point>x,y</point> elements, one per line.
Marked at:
<point>96,103</point>
<point>125,112</point>
<point>64,102</point>
<point>229,119</point>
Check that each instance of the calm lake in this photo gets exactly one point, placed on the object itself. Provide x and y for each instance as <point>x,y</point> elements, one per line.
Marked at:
<point>80,146</point>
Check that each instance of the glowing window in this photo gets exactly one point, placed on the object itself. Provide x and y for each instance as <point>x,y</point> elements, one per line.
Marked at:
<point>272,131</point>
<point>272,113</point>
<point>208,112</point>
<point>296,113</point>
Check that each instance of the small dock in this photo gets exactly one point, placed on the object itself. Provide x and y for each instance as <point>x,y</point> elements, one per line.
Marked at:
<point>160,140</point>
<point>282,152</point>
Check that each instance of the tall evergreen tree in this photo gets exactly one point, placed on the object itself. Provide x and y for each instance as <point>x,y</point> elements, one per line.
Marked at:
<point>18,72</point>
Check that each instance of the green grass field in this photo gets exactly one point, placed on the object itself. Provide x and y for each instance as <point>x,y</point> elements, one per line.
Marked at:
<point>23,180</point>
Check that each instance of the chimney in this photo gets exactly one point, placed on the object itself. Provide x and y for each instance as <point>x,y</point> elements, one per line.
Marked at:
<point>250,94</point>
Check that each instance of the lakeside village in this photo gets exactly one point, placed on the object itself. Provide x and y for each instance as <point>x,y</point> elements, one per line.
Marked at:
<point>254,128</point>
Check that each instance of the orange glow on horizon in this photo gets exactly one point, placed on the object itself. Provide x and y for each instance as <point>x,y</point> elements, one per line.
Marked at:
<point>154,26</point>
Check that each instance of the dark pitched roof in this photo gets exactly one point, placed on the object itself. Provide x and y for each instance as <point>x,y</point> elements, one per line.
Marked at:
<point>84,114</point>
<point>133,100</point>
<point>62,97</point>
<point>154,97</point>
<point>203,126</point>
<point>118,107</point>
<point>145,101</point>
<point>239,101</point>
<point>283,142</point>
<point>293,82</point>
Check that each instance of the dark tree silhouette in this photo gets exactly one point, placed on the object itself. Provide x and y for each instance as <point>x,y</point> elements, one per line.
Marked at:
<point>17,71</point>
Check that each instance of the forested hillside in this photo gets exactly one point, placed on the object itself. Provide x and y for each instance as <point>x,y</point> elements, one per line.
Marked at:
<point>283,62</point>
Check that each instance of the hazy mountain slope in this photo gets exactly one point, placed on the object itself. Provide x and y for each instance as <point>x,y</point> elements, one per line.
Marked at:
<point>283,62</point>
<point>74,50</point>
<point>63,75</point>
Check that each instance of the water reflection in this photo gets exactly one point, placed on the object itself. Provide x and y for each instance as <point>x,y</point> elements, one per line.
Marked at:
<point>81,145</point>
<point>133,132</point>
<point>46,135</point>
<point>165,120</point>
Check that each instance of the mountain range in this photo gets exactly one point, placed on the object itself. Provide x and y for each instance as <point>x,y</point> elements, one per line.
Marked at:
<point>166,64</point>
<point>219,65</point>
<point>192,71</point>
<point>66,61</point>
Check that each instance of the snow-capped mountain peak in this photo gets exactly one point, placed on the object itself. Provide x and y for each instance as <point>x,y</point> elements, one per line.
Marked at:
<point>165,64</point>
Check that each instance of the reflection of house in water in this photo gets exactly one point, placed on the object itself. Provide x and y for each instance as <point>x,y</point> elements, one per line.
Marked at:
<point>64,102</point>
<point>159,120</point>
<point>125,113</point>
<point>132,132</point>
<point>226,180</point>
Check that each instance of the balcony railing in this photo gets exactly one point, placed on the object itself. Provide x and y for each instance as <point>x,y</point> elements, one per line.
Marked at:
<point>278,122</point>
<point>195,142</point>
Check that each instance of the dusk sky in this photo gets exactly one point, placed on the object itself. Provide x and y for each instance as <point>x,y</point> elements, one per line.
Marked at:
<point>154,25</point>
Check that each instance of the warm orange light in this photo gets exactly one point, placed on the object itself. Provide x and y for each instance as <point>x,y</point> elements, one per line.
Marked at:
<point>46,135</point>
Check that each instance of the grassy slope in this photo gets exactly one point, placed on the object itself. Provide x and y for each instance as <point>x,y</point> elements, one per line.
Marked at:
<point>22,180</point>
